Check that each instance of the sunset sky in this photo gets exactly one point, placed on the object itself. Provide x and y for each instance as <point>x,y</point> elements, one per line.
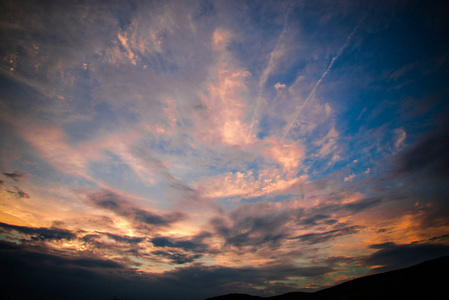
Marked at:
<point>188,149</point>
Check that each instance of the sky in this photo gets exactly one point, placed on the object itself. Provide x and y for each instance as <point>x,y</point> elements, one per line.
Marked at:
<point>188,149</point>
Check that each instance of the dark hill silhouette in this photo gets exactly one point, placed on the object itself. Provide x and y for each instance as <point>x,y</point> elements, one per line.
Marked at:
<point>236,296</point>
<point>427,280</point>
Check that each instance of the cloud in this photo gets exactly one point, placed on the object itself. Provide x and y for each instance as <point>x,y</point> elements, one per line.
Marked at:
<point>428,156</point>
<point>350,177</point>
<point>321,237</point>
<point>124,239</point>
<point>317,219</point>
<point>40,233</point>
<point>400,137</point>
<point>20,193</point>
<point>223,118</point>
<point>177,257</point>
<point>258,225</point>
<point>70,277</point>
<point>242,278</point>
<point>16,175</point>
<point>247,185</point>
<point>263,225</point>
<point>51,143</point>
<point>344,202</point>
<point>195,244</point>
<point>391,256</point>
<point>111,201</point>
<point>317,84</point>
<point>279,85</point>
<point>51,276</point>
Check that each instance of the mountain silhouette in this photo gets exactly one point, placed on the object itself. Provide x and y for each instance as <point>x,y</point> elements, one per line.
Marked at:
<point>426,280</point>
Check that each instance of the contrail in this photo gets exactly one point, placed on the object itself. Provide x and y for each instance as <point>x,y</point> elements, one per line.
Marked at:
<point>312,93</point>
<point>266,72</point>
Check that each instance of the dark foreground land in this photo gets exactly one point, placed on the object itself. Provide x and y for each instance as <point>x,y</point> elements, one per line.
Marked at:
<point>428,280</point>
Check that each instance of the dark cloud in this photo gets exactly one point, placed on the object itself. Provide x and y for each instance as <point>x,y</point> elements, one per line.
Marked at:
<point>90,237</point>
<point>93,263</point>
<point>321,214</point>
<point>177,257</point>
<point>27,273</point>
<point>30,273</point>
<point>16,175</point>
<point>19,193</point>
<point>441,237</point>
<point>154,219</point>
<point>262,224</point>
<point>41,233</point>
<point>251,225</point>
<point>313,219</point>
<point>242,278</point>
<point>362,205</point>
<point>429,156</point>
<point>37,254</point>
<point>123,246</point>
<point>124,239</point>
<point>334,260</point>
<point>382,245</point>
<point>392,256</point>
<point>181,251</point>
<point>114,202</point>
<point>187,245</point>
<point>320,237</point>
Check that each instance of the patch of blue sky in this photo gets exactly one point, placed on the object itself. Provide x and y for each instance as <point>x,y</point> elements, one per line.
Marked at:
<point>320,168</point>
<point>254,166</point>
<point>288,73</point>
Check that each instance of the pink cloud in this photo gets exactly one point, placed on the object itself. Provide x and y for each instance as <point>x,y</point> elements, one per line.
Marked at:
<point>279,86</point>
<point>220,39</point>
<point>350,177</point>
<point>288,155</point>
<point>225,102</point>
<point>401,135</point>
<point>52,145</point>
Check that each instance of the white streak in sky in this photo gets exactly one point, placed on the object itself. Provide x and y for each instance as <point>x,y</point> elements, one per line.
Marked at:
<point>267,71</point>
<point>312,93</point>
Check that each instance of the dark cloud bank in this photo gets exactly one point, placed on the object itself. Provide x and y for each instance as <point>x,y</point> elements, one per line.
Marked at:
<point>33,271</point>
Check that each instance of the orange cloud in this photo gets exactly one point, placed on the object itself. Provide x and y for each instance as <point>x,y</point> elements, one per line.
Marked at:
<point>279,85</point>
<point>220,39</point>
<point>247,184</point>
<point>226,104</point>
<point>287,155</point>
<point>124,41</point>
<point>52,145</point>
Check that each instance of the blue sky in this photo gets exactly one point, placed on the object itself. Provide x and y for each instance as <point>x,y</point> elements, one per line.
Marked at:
<point>265,146</point>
